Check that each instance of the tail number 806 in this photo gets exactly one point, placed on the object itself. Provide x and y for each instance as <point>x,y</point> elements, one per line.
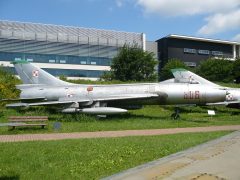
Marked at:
<point>191,95</point>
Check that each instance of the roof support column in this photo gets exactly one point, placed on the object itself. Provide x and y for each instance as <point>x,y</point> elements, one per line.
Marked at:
<point>238,54</point>
<point>234,52</point>
<point>144,41</point>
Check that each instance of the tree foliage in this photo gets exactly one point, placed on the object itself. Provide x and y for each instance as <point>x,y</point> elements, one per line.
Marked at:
<point>216,70</point>
<point>133,64</point>
<point>7,85</point>
<point>166,73</point>
<point>236,70</point>
<point>221,70</point>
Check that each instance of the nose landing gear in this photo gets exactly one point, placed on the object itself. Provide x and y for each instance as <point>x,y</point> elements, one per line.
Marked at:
<point>176,114</point>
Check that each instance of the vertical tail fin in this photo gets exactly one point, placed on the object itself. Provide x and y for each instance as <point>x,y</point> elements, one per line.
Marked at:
<point>185,76</point>
<point>31,74</point>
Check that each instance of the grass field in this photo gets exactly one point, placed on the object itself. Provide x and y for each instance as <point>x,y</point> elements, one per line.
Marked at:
<point>233,85</point>
<point>150,117</point>
<point>89,158</point>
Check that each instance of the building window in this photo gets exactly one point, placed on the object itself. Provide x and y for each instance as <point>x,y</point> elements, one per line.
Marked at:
<point>62,61</point>
<point>190,51</point>
<point>217,53</point>
<point>17,59</point>
<point>51,61</point>
<point>205,52</point>
<point>190,64</point>
<point>93,62</point>
<point>83,62</point>
<point>29,60</point>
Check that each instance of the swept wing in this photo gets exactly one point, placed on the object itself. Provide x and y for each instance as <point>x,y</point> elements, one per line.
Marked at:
<point>87,100</point>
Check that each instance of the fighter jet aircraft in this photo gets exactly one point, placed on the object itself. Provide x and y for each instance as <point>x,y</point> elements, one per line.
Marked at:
<point>232,98</point>
<point>40,88</point>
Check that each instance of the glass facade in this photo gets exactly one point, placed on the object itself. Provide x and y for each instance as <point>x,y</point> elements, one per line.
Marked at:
<point>67,72</point>
<point>74,73</point>
<point>51,44</point>
<point>51,58</point>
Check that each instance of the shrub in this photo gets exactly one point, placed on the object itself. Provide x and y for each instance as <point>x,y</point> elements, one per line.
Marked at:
<point>7,85</point>
<point>216,70</point>
<point>236,70</point>
<point>166,73</point>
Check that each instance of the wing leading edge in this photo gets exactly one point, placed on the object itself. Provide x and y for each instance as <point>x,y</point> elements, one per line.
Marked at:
<point>80,101</point>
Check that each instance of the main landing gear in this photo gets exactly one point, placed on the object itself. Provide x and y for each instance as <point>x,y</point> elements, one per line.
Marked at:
<point>176,114</point>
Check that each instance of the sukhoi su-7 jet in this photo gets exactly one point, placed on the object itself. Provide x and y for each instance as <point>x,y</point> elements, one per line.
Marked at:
<point>40,88</point>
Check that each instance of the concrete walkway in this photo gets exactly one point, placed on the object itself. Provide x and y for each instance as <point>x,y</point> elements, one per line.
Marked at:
<point>107,134</point>
<point>217,159</point>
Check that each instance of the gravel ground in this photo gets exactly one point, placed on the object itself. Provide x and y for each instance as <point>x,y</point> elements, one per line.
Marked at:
<point>109,134</point>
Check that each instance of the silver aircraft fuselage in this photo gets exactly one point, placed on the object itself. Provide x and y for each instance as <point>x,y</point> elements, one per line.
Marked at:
<point>175,93</point>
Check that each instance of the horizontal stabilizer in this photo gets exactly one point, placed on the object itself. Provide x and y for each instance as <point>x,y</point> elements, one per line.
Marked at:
<point>25,99</point>
<point>26,86</point>
<point>17,105</point>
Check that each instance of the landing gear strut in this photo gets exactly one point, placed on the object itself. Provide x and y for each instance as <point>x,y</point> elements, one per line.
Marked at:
<point>176,114</point>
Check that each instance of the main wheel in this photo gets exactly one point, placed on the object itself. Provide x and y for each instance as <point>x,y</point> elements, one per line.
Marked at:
<point>175,116</point>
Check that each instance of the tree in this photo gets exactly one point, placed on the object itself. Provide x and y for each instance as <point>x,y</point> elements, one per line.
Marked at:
<point>107,76</point>
<point>171,64</point>
<point>236,70</point>
<point>133,64</point>
<point>7,85</point>
<point>216,70</point>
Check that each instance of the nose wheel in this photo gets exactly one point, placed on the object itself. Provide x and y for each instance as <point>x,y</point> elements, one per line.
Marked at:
<point>176,114</point>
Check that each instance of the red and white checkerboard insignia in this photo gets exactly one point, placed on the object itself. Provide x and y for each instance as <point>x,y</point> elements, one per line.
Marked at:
<point>229,97</point>
<point>69,95</point>
<point>35,73</point>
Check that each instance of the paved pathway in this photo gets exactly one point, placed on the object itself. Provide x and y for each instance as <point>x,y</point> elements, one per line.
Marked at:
<point>217,159</point>
<point>106,134</point>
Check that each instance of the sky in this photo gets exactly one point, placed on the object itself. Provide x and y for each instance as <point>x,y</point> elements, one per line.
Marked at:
<point>216,19</point>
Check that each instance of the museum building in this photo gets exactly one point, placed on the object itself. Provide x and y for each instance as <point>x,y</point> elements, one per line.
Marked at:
<point>74,52</point>
<point>193,50</point>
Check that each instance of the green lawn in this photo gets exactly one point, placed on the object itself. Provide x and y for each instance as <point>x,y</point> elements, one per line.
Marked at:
<point>150,117</point>
<point>233,85</point>
<point>89,158</point>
